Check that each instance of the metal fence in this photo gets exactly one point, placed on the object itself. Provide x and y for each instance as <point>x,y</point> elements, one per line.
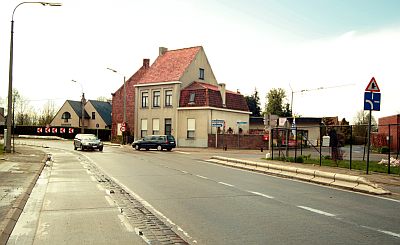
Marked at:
<point>340,145</point>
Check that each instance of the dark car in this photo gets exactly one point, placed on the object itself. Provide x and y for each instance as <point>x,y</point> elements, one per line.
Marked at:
<point>159,142</point>
<point>87,141</point>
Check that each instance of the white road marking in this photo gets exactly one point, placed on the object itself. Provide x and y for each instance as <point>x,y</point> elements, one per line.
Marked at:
<point>200,176</point>
<point>185,172</point>
<point>223,183</point>
<point>93,178</point>
<point>182,152</point>
<point>317,211</point>
<point>110,201</point>
<point>390,233</point>
<point>100,187</point>
<point>261,194</point>
<point>125,222</point>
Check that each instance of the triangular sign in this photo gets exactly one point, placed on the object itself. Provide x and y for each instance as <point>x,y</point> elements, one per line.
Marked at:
<point>372,86</point>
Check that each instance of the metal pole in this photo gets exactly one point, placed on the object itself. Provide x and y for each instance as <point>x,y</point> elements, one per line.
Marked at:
<point>351,144</point>
<point>368,139</point>
<point>271,139</point>
<point>295,147</point>
<point>123,133</point>
<point>389,143</point>
<point>10,78</point>
<point>83,113</point>
<point>320,145</point>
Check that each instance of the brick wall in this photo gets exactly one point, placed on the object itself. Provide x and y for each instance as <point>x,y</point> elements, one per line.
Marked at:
<point>231,141</point>
<point>383,129</point>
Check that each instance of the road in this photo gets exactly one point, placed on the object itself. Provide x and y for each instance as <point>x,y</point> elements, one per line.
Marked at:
<point>212,204</point>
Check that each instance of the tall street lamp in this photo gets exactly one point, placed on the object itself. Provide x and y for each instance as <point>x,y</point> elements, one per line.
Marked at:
<point>83,102</point>
<point>123,133</point>
<point>9,106</point>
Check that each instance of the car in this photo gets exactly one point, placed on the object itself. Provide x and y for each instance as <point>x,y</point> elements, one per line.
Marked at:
<point>87,141</point>
<point>159,142</point>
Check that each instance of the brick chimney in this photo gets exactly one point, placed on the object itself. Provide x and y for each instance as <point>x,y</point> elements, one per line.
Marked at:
<point>222,90</point>
<point>162,50</point>
<point>146,63</point>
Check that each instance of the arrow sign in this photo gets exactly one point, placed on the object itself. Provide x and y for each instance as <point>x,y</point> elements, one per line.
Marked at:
<point>372,101</point>
<point>372,86</point>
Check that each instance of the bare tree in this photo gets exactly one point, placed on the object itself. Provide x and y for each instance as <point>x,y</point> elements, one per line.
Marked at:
<point>48,113</point>
<point>22,109</point>
<point>102,98</point>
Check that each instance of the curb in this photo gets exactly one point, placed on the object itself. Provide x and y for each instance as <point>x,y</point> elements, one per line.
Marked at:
<point>344,181</point>
<point>11,218</point>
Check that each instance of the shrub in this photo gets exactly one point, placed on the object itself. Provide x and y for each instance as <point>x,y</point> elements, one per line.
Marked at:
<point>384,150</point>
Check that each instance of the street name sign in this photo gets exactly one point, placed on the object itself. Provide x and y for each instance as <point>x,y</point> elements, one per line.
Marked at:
<point>217,123</point>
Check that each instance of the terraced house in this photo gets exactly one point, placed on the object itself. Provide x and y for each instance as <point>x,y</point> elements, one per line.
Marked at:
<point>179,95</point>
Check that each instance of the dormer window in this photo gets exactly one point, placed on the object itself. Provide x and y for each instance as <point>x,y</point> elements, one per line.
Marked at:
<point>201,73</point>
<point>191,98</point>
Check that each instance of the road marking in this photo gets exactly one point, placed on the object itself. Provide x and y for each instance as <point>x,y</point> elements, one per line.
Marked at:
<point>185,172</point>
<point>200,176</point>
<point>182,152</point>
<point>110,201</point>
<point>100,187</point>
<point>125,222</point>
<point>223,183</point>
<point>261,194</point>
<point>390,233</point>
<point>93,178</point>
<point>317,211</point>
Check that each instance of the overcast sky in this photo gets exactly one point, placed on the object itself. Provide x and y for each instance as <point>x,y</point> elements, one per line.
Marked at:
<point>337,45</point>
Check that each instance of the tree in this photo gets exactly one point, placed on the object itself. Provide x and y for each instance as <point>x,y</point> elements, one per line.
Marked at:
<point>48,113</point>
<point>361,123</point>
<point>102,98</point>
<point>275,103</point>
<point>253,102</point>
<point>22,109</point>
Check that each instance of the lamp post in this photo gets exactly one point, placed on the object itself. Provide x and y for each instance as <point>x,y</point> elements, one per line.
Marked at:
<point>83,102</point>
<point>10,74</point>
<point>123,133</point>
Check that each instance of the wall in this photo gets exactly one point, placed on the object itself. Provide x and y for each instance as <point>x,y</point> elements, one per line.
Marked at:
<point>192,72</point>
<point>232,141</point>
<point>118,109</point>
<point>73,122</point>
<point>383,129</point>
<point>90,123</point>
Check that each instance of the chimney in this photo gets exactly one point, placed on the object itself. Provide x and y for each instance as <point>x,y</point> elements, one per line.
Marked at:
<point>146,63</point>
<point>162,50</point>
<point>222,90</point>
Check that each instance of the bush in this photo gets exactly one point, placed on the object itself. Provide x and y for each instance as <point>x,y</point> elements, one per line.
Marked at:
<point>384,150</point>
<point>299,159</point>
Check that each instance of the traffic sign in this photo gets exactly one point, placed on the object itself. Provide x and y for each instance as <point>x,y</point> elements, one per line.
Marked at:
<point>372,86</point>
<point>372,101</point>
<point>54,130</point>
<point>239,122</point>
<point>217,123</point>
<point>71,130</point>
<point>62,130</point>
<point>123,124</point>
<point>39,130</point>
<point>47,130</point>
<point>123,129</point>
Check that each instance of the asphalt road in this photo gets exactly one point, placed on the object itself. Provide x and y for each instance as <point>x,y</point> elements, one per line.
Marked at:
<point>212,204</point>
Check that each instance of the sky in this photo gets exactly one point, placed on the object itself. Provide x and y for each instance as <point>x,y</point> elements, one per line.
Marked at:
<point>329,49</point>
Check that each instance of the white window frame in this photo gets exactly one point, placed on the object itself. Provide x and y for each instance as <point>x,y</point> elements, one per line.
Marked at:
<point>156,99</point>
<point>168,97</point>
<point>191,128</point>
<point>156,126</point>
<point>143,128</point>
<point>145,99</point>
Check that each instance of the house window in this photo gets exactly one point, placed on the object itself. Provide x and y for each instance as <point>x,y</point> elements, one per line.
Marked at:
<point>156,126</point>
<point>156,98</point>
<point>168,98</point>
<point>145,99</point>
<point>168,126</point>
<point>143,131</point>
<point>191,128</point>
<point>191,98</point>
<point>201,73</point>
<point>66,116</point>
<point>93,115</point>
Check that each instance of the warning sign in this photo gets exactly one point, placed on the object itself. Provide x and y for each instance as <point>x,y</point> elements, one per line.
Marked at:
<point>39,130</point>
<point>71,130</point>
<point>62,130</point>
<point>47,130</point>
<point>54,130</point>
<point>372,86</point>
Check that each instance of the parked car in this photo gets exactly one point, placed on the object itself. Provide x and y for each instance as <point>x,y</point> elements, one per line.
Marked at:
<point>159,142</point>
<point>87,141</point>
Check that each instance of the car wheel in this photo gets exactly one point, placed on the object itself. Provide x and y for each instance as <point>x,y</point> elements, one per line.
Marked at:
<point>137,147</point>
<point>159,148</point>
<point>81,147</point>
<point>101,149</point>
<point>75,147</point>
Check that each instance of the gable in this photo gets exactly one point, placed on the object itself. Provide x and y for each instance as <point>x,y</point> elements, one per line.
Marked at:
<point>103,109</point>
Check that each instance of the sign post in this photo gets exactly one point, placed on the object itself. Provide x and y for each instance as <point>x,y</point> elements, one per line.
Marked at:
<point>372,102</point>
<point>216,123</point>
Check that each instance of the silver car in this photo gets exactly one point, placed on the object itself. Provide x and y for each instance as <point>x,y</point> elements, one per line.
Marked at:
<point>87,141</point>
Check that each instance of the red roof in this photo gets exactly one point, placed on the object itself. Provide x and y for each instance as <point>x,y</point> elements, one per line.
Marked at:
<point>170,66</point>
<point>209,95</point>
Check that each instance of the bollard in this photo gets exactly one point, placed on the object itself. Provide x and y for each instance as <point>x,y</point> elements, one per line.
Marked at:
<point>262,149</point>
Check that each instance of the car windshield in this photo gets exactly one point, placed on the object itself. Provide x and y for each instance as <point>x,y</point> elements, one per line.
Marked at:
<point>89,137</point>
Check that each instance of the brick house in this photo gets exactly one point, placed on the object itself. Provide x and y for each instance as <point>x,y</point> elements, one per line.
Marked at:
<point>97,113</point>
<point>159,99</point>
<point>118,103</point>
<point>383,129</point>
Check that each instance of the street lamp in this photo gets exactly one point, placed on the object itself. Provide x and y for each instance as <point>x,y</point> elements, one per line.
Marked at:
<point>10,74</point>
<point>123,133</point>
<point>83,102</point>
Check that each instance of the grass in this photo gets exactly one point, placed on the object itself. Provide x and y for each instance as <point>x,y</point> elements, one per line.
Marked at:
<point>1,149</point>
<point>355,164</point>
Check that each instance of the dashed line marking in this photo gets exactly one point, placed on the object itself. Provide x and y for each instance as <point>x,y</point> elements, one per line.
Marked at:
<point>223,183</point>
<point>125,222</point>
<point>100,187</point>
<point>185,172</point>
<point>317,211</point>
<point>93,178</point>
<point>261,194</point>
<point>201,176</point>
<point>390,233</point>
<point>110,201</point>
<point>182,152</point>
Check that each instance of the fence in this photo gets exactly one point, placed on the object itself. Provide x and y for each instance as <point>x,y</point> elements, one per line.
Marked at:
<point>340,145</point>
<point>235,141</point>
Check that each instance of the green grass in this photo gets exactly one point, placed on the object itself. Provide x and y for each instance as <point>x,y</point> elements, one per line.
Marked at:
<point>355,164</point>
<point>1,149</point>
